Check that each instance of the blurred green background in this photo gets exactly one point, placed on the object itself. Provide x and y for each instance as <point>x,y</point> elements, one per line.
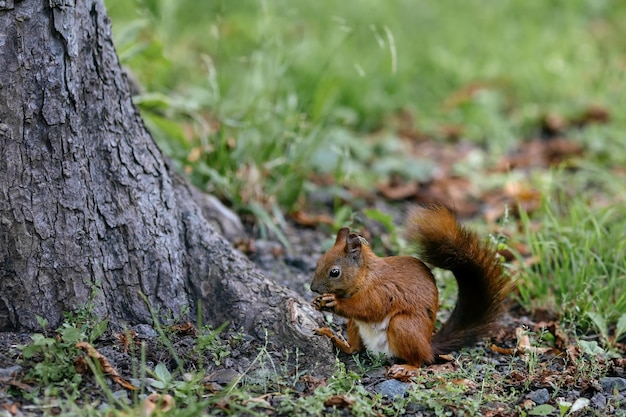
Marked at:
<point>268,92</point>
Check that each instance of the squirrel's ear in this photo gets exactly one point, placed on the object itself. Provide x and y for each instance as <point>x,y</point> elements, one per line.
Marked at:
<point>353,247</point>
<point>342,235</point>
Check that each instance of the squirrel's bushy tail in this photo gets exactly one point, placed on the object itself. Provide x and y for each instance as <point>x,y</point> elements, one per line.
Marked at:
<point>483,286</point>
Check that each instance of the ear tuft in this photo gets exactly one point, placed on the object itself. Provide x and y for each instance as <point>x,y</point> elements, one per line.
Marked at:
<point>342,235</point>
<point>353,246</point>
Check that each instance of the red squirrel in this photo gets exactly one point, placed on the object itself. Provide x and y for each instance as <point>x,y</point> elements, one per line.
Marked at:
<point>391,302</point>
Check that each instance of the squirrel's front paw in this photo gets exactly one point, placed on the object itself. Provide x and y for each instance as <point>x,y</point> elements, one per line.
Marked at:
<point>324,302</point>
<point>324,331</point>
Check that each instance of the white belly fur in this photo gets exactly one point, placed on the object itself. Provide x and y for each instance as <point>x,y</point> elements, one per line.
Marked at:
<point>374,336</point>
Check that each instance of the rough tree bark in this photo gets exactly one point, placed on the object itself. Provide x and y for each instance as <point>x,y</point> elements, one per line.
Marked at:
<point>88,201</point>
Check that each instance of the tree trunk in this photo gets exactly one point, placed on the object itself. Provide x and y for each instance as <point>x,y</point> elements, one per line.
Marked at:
<point>89,205</point>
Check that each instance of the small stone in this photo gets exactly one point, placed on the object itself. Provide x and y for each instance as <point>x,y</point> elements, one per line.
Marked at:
<point>611,384</point>
<point>223,376</point>
<point>392,388</point>
<point>10,371</point>
<point>104,406</point>
<point>540,396</point>
<point>121,395</point>
<point>599,401</point>
<point>414,407</point>
<point>300,387</point>
<point>145,331</point>
<point>573,395</point>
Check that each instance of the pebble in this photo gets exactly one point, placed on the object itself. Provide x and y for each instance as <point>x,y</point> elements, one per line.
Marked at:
<point>121,395</point>
<point>612,383</point>
<point>10,371</point>
<point>145,331</point>
<point>392,388</point>
<point>599,401</point>
<point>540,396</point>
<point>223,376</point>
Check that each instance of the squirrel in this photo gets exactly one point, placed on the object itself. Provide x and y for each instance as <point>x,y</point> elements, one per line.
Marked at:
<point>391,302</point>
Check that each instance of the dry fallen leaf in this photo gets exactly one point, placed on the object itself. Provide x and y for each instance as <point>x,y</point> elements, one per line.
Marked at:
<point>620,362</point>
<point>465,382</point>
<point>13,408</point>
<point>154,402</point>
<point>340,401</point>
<point>501,350</point>
<point>523,345</point>
<point>312,383</point>
<point>107,368</point>
<point>395,191</point>
<point>446,357</point>
<point>126,338</point>
<point>593,114</point>
<point>310,220</point>
<point>185,329</point>
<point>80,364</point>
<point>18,384</point>
<point>439,368</point>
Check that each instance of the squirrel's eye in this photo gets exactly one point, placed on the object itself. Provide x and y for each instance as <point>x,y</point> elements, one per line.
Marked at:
<point>334,273</point>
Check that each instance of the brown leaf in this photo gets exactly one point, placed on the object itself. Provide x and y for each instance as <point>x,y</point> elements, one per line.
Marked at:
<point>312,383</point>
<point>540,153</point>
<point>572,352</point>
<point>310,220</point>
<point>523,343</point>
<point>451,132</point>
<point>619,362</point>
<point>442,368</point>
<point>154,402</point>
<point>13,408</point>
<point>185,329</point>
<point>80,364</point>
<point>501,350</point>
<point>397,192</point>
<point>261,401</point>
<point>560,149</point>
<point>247,246</point>
<point>517,376</point>
<point>18,384</point>
<point>107,368</point>
<point>553,124</point>
<point>593,114</point>
<point>458,190</point>
<point>339,401</point>
<point>126,338</point>
<point>465,382</point>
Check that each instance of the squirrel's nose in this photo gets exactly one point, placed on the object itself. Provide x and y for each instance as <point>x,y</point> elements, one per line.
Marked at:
<point>315,287</point>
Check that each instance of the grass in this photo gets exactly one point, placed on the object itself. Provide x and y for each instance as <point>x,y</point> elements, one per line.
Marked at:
<point>264,103</point>
<point>274,386</point>
<point>579,268</point>
<point>251,98</point>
